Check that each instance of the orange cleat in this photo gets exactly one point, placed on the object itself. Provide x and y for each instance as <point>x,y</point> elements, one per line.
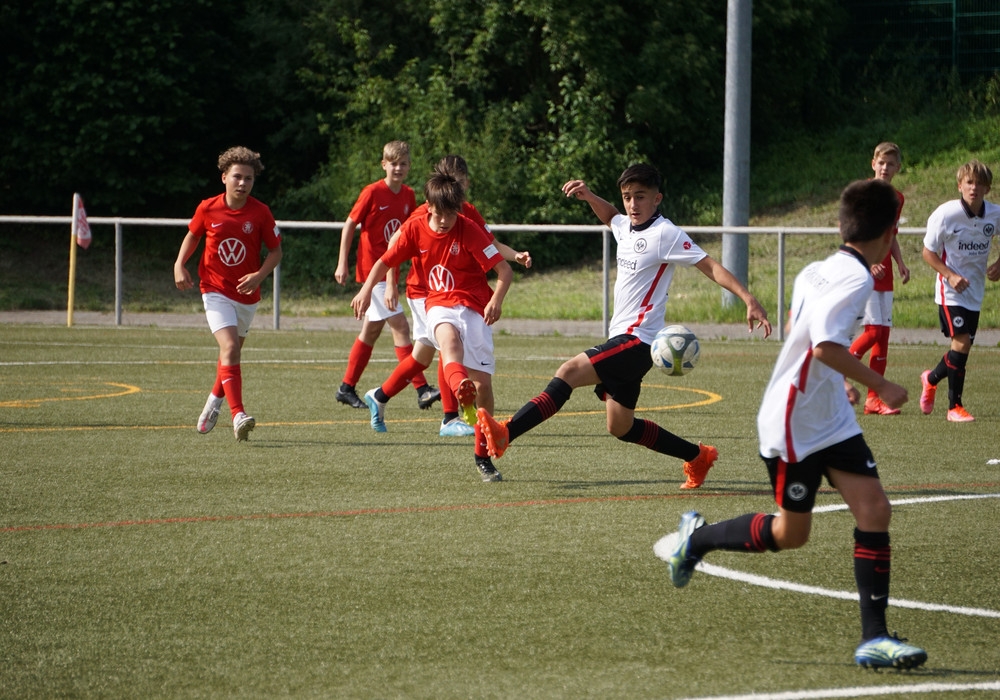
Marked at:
<point>697,469</point>
<point>497,438</point>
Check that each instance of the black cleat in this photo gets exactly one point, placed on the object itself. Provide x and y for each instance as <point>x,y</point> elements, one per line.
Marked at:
<point>347,395</point>
<point>486,469</point>
<point>427,395</point>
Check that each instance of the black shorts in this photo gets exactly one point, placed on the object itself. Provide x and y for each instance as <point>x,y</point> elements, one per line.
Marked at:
<point>957,320</point>
<point>620,363</point>
<point>795,485</point>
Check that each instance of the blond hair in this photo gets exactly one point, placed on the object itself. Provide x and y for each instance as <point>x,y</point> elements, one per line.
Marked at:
<point>977,171</point>
<point>886,148</point>
<point>240,155</point>
<point>395,150</point>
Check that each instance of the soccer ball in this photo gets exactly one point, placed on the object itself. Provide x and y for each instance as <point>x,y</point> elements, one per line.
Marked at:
<point>675,350</point>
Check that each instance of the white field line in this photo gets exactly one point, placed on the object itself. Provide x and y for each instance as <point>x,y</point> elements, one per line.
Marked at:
<point>859,691</point>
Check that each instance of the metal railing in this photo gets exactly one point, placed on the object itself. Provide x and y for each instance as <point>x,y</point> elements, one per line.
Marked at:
<point>781,231</point>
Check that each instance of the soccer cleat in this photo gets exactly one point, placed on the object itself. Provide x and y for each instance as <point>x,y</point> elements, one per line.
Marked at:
<point>427,395</point>
<point>875,405</point>
<point>377,409</point>
<point>210,414</point>
<point>486,469</point>
<point>242,425</point>
<point>673,549</point>
<point>347,395</point>
<point>889,652</point>
<point>959,415</point>
<point>456,427</point>
<point>497,436</point>
<point>466,396</point>
<point>697,469</point>
<point>927,393</point>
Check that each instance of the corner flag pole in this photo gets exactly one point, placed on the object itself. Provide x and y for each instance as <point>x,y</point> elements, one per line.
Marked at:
<point>72,262</point>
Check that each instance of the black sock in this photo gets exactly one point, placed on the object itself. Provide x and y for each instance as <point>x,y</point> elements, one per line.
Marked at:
<point>540,408</point>
<point>956,376</point>
<point>746,533</point>
<point>649,434</point>
<point>872,556</point>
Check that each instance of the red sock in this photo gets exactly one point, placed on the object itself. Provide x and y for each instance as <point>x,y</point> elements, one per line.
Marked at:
<point>361,352</point>
<point>402,375</point>
<point>880,350</point>
<point>449,404</point>
<point>232,384</point>
<point>217,389</point>
<point>418,379</point>
<point>863,342</point>
<point>455,372</point>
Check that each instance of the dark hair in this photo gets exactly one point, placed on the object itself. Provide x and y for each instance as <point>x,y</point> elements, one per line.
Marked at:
<point>452,165</point>
<point>240,155</point>
<point>868,209</point>
<point>444,193</point>
<point>641,174</point>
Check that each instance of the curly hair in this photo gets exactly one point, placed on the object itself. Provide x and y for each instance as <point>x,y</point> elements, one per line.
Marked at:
<point>240,155</point>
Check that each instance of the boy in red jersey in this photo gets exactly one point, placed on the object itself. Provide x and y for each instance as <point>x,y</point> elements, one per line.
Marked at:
<point>235,227</point>
<point>456,254</point>
<point>452,423</point>
<point>380,210</point>
<point>886,162</point>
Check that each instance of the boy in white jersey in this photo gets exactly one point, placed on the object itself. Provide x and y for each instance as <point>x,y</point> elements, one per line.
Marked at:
<point>957,246</point>
<point>649,249</point>
<point>808,429</point>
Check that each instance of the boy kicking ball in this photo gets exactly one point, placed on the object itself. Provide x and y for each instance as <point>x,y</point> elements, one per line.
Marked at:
<point>808,430</point>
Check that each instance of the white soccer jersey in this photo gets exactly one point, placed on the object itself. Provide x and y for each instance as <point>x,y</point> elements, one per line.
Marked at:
<point>805,406</point>
<point>963,242</point>
<point>646,262</point>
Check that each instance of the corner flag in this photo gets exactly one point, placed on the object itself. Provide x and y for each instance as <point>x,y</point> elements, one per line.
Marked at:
<point>80,222</point>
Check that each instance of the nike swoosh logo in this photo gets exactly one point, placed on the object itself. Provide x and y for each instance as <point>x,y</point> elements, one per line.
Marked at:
<point>216,225</point>
<point>422,251</point>
<point>880,597</point>
<point>383,208</point>
<point>226,381</point>
<point>870,464</point>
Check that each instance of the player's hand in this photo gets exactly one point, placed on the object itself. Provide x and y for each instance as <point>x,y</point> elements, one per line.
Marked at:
<point>957,282</point>
<point>904,273</point>
<point>756,313</point>
<point>993,271</point>
<point>853,395</point>
<point>878,271</point>
<point>360,303</point>
<point>576,188</point>
<point>492,313</point>
<point>523,258</point>
<point>391,297</point>
<point>247,284</point>
<point>182,278</point>
<point>893,395</point>
<point>341,275</point>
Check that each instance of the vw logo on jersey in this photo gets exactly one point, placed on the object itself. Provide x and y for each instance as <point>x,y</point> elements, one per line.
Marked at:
<point>989,230</point>
<point>248,227</point>
<point>640,245</point>
<point>232,252</point>
<point>390,228</point>
<point>440,279</point>
<point>796,491</point>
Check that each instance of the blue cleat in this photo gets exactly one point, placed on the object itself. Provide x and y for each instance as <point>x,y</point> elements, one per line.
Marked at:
<point>377,409</point>
<point>889,652</point>
<point>456,427</point>
<point>673,549</point>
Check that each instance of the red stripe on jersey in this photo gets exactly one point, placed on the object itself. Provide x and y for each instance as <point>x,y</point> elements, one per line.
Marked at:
<point>793,392</point>
<point>646,306</point>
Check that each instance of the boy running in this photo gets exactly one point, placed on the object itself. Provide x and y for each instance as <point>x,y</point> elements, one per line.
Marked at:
<point>808,429</point>
<point>235,227</point>
<point>957,247</point>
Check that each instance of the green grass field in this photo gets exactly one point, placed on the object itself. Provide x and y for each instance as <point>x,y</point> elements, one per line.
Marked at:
<point>141,559</point>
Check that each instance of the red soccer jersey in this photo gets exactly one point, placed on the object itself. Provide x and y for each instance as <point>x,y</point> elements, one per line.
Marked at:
<point>885,283</point>
<point>455,262</point>
<point>379,211</point>
<point>416,279</point>
<point>233,242</point>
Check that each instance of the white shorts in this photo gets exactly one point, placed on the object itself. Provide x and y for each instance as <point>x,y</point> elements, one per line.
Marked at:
<point>419,330</point>
<point>223,312</point>
<point>477,337</point>
<point>377,310</point>
<point>878,310</point>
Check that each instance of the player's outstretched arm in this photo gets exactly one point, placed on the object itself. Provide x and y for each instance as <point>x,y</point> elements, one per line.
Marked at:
<point>604,209</point>
<point>712,269</point>
<point>839,358</point>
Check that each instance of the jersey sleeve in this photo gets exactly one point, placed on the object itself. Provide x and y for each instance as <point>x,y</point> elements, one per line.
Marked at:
<point>197,223</point>
<point>362,206</point>
<point>934,237</point>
